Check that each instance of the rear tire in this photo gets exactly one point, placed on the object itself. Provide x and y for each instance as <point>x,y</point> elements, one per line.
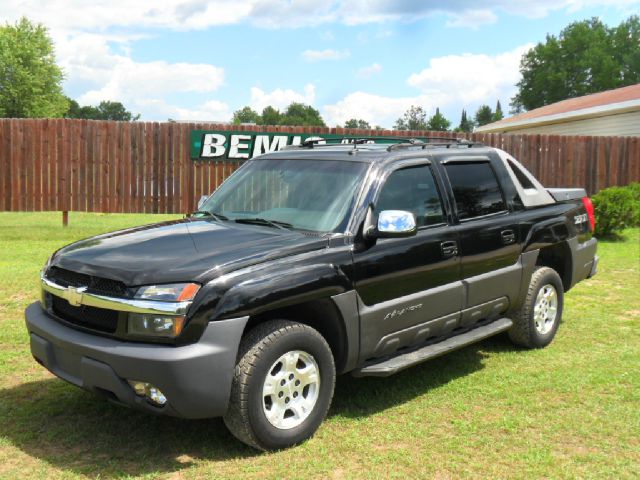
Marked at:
<point>282,387</point>
<point>536,323</point>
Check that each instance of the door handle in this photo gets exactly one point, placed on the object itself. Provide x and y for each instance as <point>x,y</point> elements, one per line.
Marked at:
<point>449,249</point>
<point>508,237</point>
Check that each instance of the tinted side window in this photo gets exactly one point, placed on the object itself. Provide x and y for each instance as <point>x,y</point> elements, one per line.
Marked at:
<point>413,189</point>
<point>475,189</point>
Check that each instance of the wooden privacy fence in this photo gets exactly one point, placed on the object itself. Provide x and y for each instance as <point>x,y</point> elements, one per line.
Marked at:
<point>143,167</point>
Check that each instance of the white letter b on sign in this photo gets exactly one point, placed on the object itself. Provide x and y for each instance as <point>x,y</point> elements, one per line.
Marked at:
<point>213,145</point>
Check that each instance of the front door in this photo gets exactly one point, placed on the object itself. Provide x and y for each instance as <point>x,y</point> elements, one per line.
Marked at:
<point>409,289</point>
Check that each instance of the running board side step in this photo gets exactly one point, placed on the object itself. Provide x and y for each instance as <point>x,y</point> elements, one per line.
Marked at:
<point>401,361</point>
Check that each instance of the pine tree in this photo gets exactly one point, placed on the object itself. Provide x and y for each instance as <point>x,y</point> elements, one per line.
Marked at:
<point>497,115</point>
<point>466,124</point>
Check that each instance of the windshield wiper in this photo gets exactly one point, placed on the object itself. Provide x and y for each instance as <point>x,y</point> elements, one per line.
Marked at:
<point>264,221</point>
<point>207,213</point>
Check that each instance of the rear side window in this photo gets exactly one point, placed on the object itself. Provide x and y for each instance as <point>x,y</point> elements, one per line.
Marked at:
<point>475,189</point>
<point>414,190</point>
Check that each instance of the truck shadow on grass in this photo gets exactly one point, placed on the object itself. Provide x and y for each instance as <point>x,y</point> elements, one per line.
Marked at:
<point>77,431</point>
<point>360,397</point>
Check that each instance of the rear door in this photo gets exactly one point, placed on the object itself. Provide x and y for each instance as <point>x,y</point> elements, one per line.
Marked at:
<point>488,234</point>
<point>409,288</point>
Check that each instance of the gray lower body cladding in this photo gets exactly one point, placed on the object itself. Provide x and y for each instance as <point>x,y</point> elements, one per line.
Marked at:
<point>196,378</point>
<point>585,260</point>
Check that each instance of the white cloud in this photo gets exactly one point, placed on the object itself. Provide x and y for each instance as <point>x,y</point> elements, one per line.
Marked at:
<point>79,15</point>
<point>375,109</point>
<point>451,82</point>
<point>93,67</point>
<point>470,78</point>
<point>280,98</point>
<point>210,111</point>
<point>328,54</point>
<point>102,14</point>
<point>472,19</point>
<point>369,71</point>
<point>358,12</point>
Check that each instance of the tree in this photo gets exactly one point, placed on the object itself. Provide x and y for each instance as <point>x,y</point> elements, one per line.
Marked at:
<point>586,57</point>
<point>357,123</point>
<point>413,119</point>
<point>438,123</point>
<point>484,115</point>
<point>115,111</point>
<point>466,125</point>
<point>497,115</point>
<point>246,115</point>
<point>270,116</point>
<point>299,114</point>
<point>30,80</point>
<point>106,110</point>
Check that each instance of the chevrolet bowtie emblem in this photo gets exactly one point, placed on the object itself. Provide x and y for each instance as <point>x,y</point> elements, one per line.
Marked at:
<point>74,295</point>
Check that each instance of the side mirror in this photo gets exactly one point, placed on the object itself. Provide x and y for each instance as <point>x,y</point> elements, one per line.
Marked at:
<point>202,200</point>
<point>394,224</point>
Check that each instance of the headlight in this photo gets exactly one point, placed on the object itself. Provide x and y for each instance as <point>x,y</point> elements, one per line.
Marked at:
<point>152,325</point>
<point>172,292</point>
<point>159,324</point>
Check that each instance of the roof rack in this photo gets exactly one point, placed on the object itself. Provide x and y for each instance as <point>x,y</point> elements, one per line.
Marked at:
<point>446,142</point>
<point>312,142</point>
<point>401,142</point>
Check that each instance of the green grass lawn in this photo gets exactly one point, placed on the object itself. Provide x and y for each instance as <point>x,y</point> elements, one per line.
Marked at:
<point>488,411</point>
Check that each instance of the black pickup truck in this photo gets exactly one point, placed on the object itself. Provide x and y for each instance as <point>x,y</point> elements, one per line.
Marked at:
<point>310,262</point>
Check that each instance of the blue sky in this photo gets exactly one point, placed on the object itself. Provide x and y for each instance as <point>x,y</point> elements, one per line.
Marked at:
<point>370,59</point>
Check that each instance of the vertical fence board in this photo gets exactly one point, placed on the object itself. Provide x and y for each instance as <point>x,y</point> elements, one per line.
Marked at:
<point>89,179</point>
<point>139,128</point>
<point>48,156</point>
<point>5,163</point>
<point>74,155</point>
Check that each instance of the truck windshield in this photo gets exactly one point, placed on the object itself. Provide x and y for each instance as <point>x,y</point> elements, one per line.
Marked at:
<point>314,195</point>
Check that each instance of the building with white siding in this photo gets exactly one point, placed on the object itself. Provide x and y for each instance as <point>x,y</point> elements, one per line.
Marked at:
<point>614,112</point>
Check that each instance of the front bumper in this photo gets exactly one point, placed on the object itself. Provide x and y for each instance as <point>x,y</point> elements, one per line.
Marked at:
<point>196,378</point>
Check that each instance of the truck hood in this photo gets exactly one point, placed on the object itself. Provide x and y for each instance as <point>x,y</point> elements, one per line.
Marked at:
<point>181,251</point>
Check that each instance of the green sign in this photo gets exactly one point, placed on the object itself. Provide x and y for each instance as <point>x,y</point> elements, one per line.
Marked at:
<point>238,145</point>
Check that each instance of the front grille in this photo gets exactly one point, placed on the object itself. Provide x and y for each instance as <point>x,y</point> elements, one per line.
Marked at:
<point>98,285</point>
<point>84,316</point>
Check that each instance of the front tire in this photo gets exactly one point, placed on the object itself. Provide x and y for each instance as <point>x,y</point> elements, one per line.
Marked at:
<point>536,323</point>
<point>282,387</point>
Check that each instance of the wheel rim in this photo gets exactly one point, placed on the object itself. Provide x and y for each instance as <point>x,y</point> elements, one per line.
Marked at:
<point>291,389</point>
<point>545,309</point>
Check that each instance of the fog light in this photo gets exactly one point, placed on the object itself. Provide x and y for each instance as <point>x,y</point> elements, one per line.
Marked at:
<point>138,387</point>
<point>156,396</point>
<point>151,392</point>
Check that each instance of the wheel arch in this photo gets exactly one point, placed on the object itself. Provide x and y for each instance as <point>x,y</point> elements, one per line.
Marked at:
<point>559,258</point>
<point>325,316</point>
